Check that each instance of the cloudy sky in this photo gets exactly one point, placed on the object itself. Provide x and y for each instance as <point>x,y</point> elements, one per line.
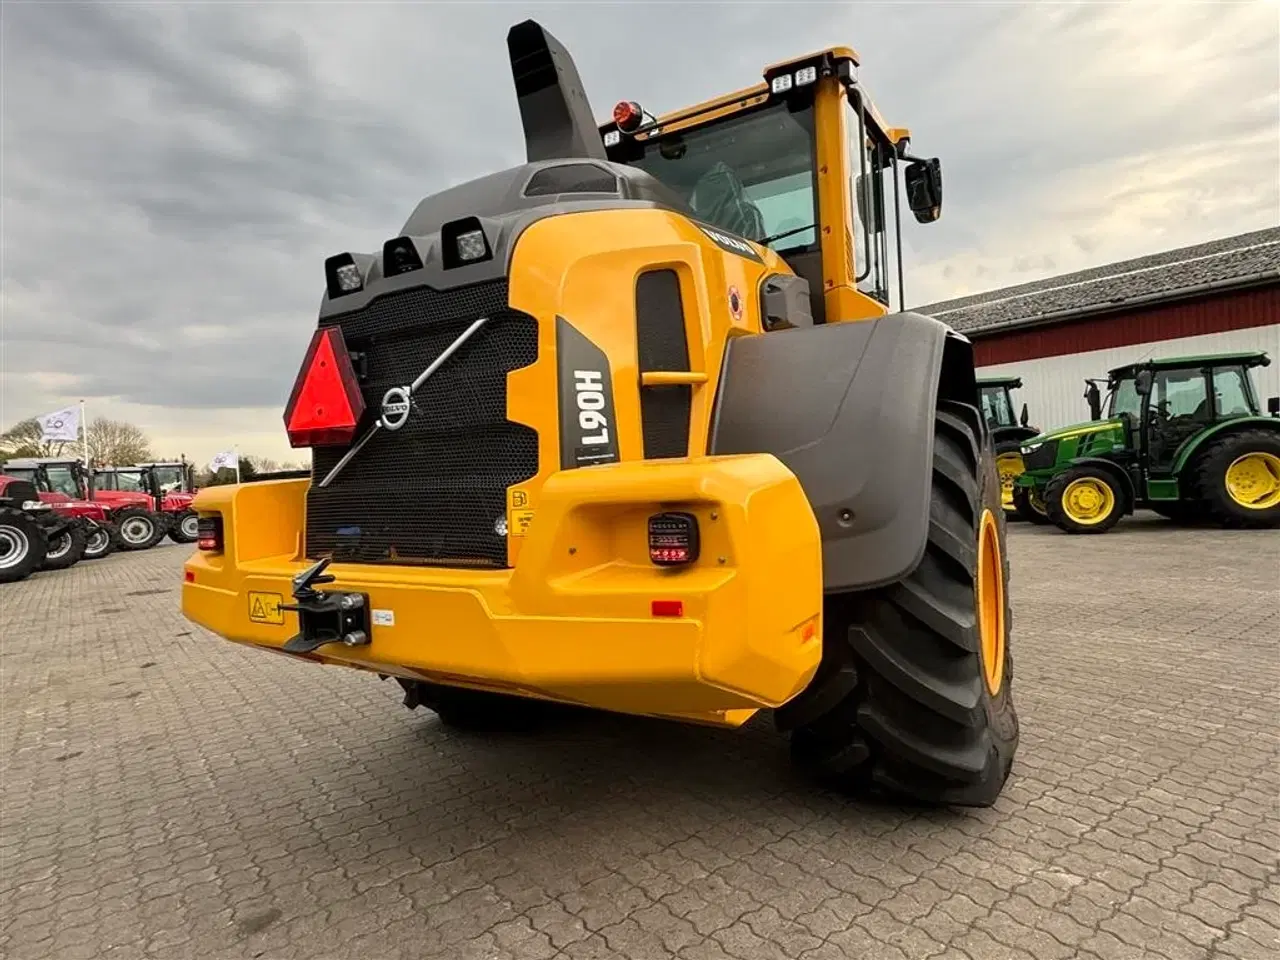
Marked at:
<point>175,173</point>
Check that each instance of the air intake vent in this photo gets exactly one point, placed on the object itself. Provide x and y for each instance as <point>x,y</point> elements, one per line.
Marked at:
<point>662,346</point>
<point>571,178</point>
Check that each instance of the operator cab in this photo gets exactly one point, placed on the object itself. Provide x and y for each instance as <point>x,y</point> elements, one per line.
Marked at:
<point>1168,401</point>
<point>797,163</point>
<point>48,474</point>
<point>996,397</point>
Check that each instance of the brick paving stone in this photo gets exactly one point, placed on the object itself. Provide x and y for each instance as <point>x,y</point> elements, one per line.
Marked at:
<point>164,794</point>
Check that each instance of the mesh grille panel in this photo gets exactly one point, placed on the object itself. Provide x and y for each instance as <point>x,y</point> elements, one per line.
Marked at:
<point>431,491</point>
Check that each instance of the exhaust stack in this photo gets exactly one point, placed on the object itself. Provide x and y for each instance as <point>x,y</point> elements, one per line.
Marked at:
<point>557,118</point>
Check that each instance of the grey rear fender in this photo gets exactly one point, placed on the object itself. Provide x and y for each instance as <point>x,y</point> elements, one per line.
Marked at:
<point>850,408</point>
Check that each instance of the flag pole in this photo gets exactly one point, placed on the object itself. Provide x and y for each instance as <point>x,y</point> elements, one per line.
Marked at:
<point>84,425</point>
<point>236,449</point>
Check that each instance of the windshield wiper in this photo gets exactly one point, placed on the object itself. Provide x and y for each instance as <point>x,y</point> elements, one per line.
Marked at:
<point>786,233</point>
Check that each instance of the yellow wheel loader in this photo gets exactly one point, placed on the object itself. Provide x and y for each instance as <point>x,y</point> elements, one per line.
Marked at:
<point>630,426</point>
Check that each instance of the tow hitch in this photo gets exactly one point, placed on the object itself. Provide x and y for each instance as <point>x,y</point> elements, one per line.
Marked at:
<point>329,616</point>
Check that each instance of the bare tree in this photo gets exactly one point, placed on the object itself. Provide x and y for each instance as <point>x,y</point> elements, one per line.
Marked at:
<point>23,440</point>
<point>117,442</point>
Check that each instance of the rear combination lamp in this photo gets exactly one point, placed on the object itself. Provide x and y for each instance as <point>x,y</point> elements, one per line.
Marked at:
<point>673,539</point>
<point>209,535</point>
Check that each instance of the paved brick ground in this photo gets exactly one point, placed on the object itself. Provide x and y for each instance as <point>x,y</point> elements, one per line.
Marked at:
<point>169,795</point>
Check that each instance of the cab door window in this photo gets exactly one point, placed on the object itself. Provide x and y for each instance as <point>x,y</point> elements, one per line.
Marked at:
<point>870,223</point>
<point>1232,393</point>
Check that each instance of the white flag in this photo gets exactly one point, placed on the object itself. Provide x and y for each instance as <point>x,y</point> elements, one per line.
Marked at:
<point>227,458</point>
<point>60,425</point>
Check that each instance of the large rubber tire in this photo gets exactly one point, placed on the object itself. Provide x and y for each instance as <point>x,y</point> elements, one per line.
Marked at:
<point>1095,478</point>
<point>900,703</point>
<point>185,527</point>
<point>1026,511</point>
<point>477,710</point>
<point>22,545</point>
<point>67,548</point>
<point>100,541</point>
<point>130,522</point>
<point>1210,483</point>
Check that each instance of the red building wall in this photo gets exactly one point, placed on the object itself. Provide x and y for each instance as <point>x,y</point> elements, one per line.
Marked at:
<point>1258,307</point>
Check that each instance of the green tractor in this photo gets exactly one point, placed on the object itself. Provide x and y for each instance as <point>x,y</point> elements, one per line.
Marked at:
<point>1008,434</point>
<point>1183,437</point>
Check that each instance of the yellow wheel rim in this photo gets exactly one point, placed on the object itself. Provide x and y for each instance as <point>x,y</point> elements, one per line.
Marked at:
<point>1253,481</point>
<point>1010,467</point>
<point>991,624</point>
<point>1088,501</point>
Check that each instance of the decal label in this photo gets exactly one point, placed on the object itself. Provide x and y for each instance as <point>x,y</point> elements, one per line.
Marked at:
<point>384,618</point>
<point>727,241</point>
<point>519,525</point>
<point>588,432</point>
<point>265,608</point>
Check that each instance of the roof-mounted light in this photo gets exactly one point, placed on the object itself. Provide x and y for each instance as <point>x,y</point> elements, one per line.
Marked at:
<point>612,138</point>
<point>400,256</point>
<point>342,275</point>
<point>628,116</point>
<point>463,242</point>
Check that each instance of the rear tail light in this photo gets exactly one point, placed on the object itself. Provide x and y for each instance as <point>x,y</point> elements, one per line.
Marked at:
<point>209,535</point>
<point>326,405</point>
<point>673,539</point>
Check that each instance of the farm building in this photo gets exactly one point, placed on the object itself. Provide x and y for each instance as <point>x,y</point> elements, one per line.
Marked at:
<point>1215,297</point>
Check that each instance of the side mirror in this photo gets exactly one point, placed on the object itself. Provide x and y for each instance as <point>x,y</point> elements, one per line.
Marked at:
<point>1273,406</point>
<point>924,189</point>
<point>1142,384</point>
<point>1025,416</point>
<point>1094,398</point>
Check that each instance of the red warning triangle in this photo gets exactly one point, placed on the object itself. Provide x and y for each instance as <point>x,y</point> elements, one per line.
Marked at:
<point>326,404</point>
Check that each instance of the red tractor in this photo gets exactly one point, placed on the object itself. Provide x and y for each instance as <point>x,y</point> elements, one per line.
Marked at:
<point>47,531</point>
<point>133,516</point>
<point>169,484</point>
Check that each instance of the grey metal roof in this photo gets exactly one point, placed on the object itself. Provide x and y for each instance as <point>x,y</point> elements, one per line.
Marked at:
<point>1247,259</point>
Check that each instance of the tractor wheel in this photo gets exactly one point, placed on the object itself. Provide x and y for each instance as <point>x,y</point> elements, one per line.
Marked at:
<point>476,710</point>
<point>1084,500</point>
<point>67,548</point>
<point>1009,465</point>
<point>1237,479</point>
<point>1029,506</point>
<point>22,545</point>
<point>185,527</point>
<point>914,693</point>
<point>137,529</point>
<point>101,542</point>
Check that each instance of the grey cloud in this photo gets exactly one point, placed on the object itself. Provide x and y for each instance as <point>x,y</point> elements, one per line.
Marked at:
<point>180,166</point>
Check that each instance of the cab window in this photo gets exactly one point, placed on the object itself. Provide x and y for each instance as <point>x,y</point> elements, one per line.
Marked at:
<point>131,482</point>
<point>751,175</point>
<point>867,187</point>
<point>1125,399</point>
<point>996,408</point>
<point>1232,392</point>
<point>62,480</point>
<point>1181,393</point>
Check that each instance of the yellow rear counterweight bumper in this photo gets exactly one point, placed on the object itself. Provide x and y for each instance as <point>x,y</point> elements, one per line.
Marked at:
<point>574,619</point>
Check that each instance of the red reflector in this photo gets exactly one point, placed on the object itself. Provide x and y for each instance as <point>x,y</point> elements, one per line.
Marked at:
<point>668,608</point>
<point>627,115</point>
<point>325,405</point>
<point>189,576</point>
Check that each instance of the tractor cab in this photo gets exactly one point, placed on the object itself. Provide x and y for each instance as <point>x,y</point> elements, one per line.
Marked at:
<point>173,476</point>
<point>1183,436</point>
<point>55,475</point>
<point>163,483</point>
<point>995,397</point>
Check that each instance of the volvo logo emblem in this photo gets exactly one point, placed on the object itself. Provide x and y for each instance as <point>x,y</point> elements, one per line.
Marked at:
<point>395,408</point>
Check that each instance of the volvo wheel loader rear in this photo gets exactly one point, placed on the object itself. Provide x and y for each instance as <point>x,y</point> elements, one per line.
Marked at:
<point>630,426</point>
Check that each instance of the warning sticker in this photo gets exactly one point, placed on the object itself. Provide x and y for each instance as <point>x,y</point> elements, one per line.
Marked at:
<point>384,618</point>
<point>520,520</point>
<point>265,608</point>
<point>517,499</point>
